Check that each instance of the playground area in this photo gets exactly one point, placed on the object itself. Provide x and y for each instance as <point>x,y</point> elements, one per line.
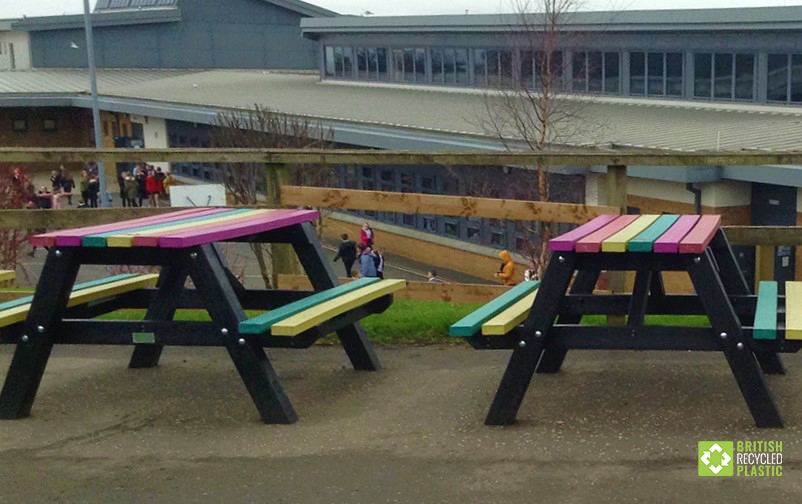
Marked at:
<point>186,431</point>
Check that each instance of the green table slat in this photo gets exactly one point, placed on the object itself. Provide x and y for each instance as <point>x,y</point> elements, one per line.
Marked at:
<point>99,240</point>
<point>263,323</point>
<point>765,326</point>
<point>86,285</point>
<point>644,241</point>
<point>471,324</point>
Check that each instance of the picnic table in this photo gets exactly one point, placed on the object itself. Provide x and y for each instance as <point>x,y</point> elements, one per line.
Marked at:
<point>541,321</point>
<point>182,245</point>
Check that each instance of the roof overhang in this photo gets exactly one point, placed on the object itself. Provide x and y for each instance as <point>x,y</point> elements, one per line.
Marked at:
<point>99,19</point>
<point>304,8</point>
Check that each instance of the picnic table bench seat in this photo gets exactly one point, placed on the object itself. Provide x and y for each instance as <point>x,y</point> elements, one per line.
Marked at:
<point>778,317</point>
<point>499,316</point>
<point>16,310</point>
<point>322,309</point>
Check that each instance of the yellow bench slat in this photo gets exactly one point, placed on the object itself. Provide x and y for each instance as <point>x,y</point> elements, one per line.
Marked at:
<point>6,275</point>
<point>513,316</point>
<point>127,240</point>
<point>618,242</point>
<point>19,313</point>
<point>316,315</point>
<point>793,310</point>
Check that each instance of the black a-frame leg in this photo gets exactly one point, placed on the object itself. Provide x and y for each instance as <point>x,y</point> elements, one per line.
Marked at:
<point>727,329</point>
<point>253,366</point>
<point>553,358</point>
<point>34,347</point>
<point>162,307</point>
<point>525,357</point>
<point>353,337</point>
<point>735,284</point>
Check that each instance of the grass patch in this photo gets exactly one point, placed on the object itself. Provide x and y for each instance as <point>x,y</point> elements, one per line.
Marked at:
<point>419,322</point>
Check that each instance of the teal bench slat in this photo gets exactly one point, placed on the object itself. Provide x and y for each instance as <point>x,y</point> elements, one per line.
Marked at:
<point>765,326</point>
<point>263,323</point>
<point>86,285</point>
<point>472,324</point>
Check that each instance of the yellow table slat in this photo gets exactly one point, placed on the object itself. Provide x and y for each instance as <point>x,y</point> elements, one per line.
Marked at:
<point>315,315</point>
<point>19,313</point>
<point>126,240</point>
<point>793,310</point>
<point>505,321</point>
<point>618,242</point>
<point>6,275</point>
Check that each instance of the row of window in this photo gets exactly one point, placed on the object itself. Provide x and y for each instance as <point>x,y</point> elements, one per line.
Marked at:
<point>20,125</point>
<point>716,76</point>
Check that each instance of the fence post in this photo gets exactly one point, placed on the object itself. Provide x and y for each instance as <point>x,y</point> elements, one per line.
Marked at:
<point>617,197</point>
<point>283,258</point>
<point>764,263</point>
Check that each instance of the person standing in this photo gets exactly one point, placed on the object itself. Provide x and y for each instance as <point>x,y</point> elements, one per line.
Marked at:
<point>141,179</point>
<point>93,189</point>
<point>378,258</point>
<point>506,272</point>
<point>131,190</point>
<point>153,188</point>
<point>55,179</point>
<point>367,266</point>
<point>367,236</point>
<point>85,187</point>
<point>432,276</point>
<point>67,184</point>
<point>347,252</point>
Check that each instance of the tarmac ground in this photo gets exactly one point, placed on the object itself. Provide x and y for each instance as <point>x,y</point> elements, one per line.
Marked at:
<point>611,427</point>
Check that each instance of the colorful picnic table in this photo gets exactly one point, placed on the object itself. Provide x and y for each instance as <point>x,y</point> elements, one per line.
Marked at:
<point>183,245</point>
<point>748,329</point>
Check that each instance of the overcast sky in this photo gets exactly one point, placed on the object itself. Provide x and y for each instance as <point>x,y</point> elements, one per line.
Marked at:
<point>18,8</point>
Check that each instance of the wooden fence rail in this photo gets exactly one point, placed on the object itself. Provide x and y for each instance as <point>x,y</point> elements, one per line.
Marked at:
<point>458,206</point>
<point>368,156</point>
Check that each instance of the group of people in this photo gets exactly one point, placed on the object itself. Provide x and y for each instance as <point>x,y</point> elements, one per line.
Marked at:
<point>145,182</point>
<point>62,185</point>
<point>371,258</point>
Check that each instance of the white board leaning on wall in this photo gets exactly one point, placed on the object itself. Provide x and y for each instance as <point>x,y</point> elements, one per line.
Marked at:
<point>203,195</point>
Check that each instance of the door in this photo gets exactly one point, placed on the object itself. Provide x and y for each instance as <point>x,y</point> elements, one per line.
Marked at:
<point>774,205</point>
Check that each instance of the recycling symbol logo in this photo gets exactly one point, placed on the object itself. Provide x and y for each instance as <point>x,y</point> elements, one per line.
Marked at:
<point>715,458</point>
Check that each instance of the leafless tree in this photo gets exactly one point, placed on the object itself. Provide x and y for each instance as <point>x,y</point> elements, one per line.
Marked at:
<point>248,183</point>
<point>533,107</point>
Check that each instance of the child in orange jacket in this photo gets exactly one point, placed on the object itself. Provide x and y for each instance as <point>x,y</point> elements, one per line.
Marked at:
<point>507,271</point>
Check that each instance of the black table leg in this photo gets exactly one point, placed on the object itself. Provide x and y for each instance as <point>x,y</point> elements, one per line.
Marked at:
<point>735,283</point>
<point>725,323</point>
<point>353,337</point>
<point>30,357</point>
<point>639,298</point>
<point>211,280</point>
<point>553,358</point>
<point>524,359</point>
<point>163,307</point>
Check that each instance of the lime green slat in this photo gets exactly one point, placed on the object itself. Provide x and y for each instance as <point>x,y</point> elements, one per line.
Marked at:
<point>86,285</point>
<point>765,326</point>
<point>263,323</point>
<point>644,241</point>
<point>471,324</point>
<point>99,240</point>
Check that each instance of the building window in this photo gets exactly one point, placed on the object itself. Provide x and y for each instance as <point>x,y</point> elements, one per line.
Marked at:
<point>596,72</point>
<point>449,66</point>
<point>19,125</point>
<point>451,227</point>
<point>492,68</point>
<point>329,65</point>
<point>532,73</point>
<point>409,65</point>
<point>785,78</point>
<point>49,125</point>
<point>655,73</point>
<point>724,76</point>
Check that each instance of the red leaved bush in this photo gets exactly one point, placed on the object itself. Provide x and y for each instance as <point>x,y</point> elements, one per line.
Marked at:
<point>16,191</point>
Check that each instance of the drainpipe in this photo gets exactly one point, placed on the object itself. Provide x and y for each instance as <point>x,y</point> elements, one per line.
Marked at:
<point>697,197</point>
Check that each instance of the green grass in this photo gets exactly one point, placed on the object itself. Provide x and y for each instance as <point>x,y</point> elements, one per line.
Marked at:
<point>420,322</point>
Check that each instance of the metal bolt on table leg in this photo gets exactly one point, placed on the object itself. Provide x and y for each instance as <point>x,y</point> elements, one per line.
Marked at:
<point>193,255</point>
<point>522,344</point>
<point>224,331</point>
<point>41,329</point>
<point>538,334</point>
<point>723,335</point>
<point>24,338</point>
<point>697,260</point>
<point>241,341</point>
<point>561,259</point>
<point>740,346</point>
<point>58,253</point>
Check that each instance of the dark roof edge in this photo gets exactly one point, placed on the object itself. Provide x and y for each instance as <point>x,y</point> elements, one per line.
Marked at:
<point>99,19</point>
<point>304,8</point>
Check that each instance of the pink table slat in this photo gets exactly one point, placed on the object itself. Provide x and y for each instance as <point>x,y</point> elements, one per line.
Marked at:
<point>699,238</point>
<point>153,240</point>
<point>566,242</point>
<point>260,224</point>
<point>668,243</point>
<point>593,241</point>
<point>50,239</point>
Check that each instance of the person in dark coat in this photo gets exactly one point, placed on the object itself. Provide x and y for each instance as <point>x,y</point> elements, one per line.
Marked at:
<point>141,177</point>
<point>346,252</point>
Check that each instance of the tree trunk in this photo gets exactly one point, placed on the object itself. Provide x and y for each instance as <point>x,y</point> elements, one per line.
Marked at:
<point>283,258</point>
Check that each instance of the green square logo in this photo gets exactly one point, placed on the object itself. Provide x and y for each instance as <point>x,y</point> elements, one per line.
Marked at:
<point>716,458</point>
